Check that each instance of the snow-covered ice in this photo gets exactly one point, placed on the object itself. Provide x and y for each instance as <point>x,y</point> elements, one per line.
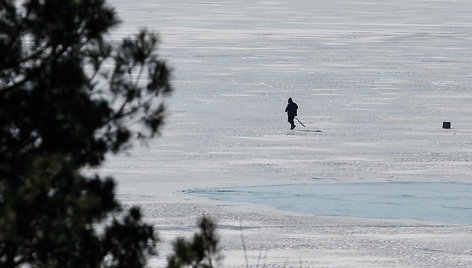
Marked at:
<point>377,77</point>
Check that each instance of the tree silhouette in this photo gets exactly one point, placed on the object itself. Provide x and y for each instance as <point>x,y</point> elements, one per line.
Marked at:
<point>66,98</point>
<point>200,252</point>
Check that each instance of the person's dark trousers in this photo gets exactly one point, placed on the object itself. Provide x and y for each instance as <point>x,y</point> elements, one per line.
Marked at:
<point>290,120</point>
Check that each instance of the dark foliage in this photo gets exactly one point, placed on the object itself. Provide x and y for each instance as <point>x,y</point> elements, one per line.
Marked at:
<point>199,252</point>
<point>66,95</point>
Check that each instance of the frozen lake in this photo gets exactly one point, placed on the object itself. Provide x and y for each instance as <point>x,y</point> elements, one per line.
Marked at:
<point>377,77</point>
<point>437,202</point>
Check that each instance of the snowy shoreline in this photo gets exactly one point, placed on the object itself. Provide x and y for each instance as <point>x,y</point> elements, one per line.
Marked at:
<point>285,239</point>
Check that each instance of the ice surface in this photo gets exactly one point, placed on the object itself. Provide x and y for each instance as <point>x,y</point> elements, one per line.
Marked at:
<point>439,202</point>
<point>377,77</point>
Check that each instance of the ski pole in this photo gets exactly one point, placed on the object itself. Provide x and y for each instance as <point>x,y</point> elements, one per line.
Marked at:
<point>300,122</point>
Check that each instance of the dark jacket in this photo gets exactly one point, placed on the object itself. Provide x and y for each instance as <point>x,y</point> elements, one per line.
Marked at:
<point>291,109</point>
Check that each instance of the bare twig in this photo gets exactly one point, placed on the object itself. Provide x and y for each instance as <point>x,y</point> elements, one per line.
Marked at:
<point>244,244</point>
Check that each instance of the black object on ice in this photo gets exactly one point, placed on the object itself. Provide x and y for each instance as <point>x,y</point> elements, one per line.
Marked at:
<point>447,125</point>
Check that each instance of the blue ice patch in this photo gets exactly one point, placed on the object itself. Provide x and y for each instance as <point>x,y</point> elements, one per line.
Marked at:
<point>446,202</point>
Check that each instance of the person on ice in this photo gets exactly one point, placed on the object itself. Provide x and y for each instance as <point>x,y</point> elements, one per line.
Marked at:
<point>291,111</point>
